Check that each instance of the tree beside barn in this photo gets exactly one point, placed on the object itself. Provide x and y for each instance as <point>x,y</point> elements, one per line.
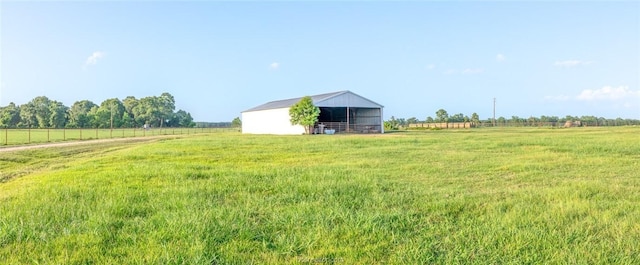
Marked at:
<point>304,113</point>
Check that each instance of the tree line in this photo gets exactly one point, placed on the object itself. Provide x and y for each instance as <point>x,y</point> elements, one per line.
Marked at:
<point>42,112</point>
<point>442,116</point>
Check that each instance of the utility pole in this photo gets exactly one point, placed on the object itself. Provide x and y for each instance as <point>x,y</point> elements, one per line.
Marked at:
<point>494,112</point>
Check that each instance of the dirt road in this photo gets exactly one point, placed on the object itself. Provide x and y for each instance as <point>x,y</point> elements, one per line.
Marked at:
<point>71,143</point>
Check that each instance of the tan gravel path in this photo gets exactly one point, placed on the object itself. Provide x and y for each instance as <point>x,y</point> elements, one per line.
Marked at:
<point>71,143</point>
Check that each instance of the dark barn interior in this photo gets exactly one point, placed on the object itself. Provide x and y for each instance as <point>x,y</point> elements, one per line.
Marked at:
<point>359,120</point>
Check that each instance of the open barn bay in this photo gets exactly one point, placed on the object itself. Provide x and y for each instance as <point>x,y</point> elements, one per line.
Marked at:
<point>469,196</point>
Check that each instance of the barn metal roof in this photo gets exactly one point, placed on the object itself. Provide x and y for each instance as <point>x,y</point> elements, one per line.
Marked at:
<point>336,99</point>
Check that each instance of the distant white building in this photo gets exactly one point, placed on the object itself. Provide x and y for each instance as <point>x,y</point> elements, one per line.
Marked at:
<point>342,111</point>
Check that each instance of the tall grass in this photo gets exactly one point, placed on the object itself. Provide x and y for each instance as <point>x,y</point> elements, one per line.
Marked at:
<point>476,196</point>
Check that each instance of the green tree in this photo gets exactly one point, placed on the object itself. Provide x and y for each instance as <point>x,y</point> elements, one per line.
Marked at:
<point>570,118</point>
<point>457,117</point>
<point>391,124</point>
<point>402,122</point>
<point>442,115</point>
<point>429,119</point>
<point>183,119</point>
<point>304,113</point>
<point>27,116</point>
<point>127,121</point>
<point>79,114</point>
<point>110,113</point>
<point>166,105</point>
<point>236,122</point>
<point>58,116</point>
<point>516,121</point>
<point>41,111</point>
<point>129,104</point>
<point>589,120</point>
<point>501,121</point>
<point>475,118</point>
<point>147,111</point>
<point>9,116</point>
<point>99,117</point>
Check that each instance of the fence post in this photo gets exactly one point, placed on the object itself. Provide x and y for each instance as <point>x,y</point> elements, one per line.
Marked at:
<point>64,134</point>
<point>48,139</point>
<point>6,136</point>
<point>29,135</point>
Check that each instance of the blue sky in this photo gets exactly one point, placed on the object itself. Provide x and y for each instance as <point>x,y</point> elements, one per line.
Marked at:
<point>220,58</point>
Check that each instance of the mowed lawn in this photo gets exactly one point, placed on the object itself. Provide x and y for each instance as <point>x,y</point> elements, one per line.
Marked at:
<point>496,196</point>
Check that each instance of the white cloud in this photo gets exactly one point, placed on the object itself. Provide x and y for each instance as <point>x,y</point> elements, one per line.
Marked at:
<point>616,98</point>
<point>449,72</point>
<point>473,71</point>
<point>93,58</point>
<point>572,63</point>
<point>431,67</point>
<point>609,93</point>
<point>274,66</point>
<point>500,57</point>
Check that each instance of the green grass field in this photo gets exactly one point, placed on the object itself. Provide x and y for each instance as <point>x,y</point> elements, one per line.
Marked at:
<point>485,196</point>
<point>34,136</point>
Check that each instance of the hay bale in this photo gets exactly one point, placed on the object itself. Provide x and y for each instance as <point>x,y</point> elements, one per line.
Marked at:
<point>568,124</point>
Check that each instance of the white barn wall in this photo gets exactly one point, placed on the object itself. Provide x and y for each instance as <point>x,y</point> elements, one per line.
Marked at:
<point>272,121</point>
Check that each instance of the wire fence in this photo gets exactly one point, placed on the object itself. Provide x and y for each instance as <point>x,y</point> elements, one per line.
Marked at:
<point>32,136</point>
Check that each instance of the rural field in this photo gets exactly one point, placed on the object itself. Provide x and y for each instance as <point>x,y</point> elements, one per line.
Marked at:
<point>479,196</point>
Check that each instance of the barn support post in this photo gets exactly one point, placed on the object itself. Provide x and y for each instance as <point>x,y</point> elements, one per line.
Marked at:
<point>348,128</point>
<point>382,122</point>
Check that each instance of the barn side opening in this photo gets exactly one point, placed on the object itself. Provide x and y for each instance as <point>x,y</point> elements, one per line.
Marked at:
<point>359,120</point>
